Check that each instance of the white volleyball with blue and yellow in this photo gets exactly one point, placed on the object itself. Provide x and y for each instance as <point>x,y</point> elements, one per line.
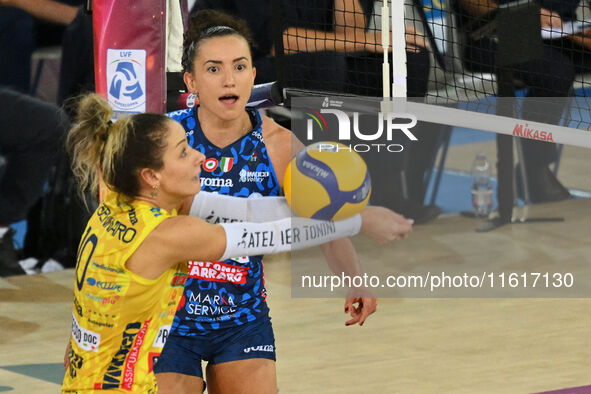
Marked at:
<point>327,181</point>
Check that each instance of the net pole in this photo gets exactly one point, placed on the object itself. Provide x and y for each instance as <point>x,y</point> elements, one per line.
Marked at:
<point>398,50</point>
<point>385,48</point>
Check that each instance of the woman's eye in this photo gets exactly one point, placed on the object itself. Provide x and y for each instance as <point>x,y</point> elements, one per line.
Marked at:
<point>184,153</point>
<point>240,67</point>
<point>212,69</point>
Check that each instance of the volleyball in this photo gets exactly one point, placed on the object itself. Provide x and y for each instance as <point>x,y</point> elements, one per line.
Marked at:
<point>327,181</point>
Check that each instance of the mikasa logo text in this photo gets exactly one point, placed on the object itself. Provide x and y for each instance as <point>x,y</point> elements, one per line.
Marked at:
<point>404,122</point>
<point>318,172</point>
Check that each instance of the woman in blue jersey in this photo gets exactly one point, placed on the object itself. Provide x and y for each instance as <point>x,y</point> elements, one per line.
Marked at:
<point>224,319</point>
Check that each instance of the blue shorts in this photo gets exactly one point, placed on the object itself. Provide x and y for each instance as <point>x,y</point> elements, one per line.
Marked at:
<point>184,354</point>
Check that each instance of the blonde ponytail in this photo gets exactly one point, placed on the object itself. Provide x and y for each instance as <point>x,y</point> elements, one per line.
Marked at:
<point>86,140</point>
<point>121,149</point>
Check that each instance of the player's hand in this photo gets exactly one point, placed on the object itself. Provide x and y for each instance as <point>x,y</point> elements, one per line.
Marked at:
<point>583,38</point>
<point>384,225</point>
<point>68,348</point>
<point>360,303</point>
<point>550,19</point>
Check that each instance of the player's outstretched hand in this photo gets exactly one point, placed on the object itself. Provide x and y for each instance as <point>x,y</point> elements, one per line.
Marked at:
<point>360,303</point>
<point>384,225</point>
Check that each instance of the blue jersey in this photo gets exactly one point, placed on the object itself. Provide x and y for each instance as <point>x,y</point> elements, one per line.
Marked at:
<point>227,293</point>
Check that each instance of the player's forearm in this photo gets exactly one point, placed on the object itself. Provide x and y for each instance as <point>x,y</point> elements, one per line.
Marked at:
<point>341,257</point>
<point>297,39</point>
<point>478,7</point>
<point>216,208</point>
<point>352,40</point>
<point>583,40</point>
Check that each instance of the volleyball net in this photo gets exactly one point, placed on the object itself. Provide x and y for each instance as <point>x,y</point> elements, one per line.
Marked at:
<point>458,54</point>
<point>515,70</point>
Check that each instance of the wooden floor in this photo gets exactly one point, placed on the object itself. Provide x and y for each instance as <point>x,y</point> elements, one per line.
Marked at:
<point>411,345</point>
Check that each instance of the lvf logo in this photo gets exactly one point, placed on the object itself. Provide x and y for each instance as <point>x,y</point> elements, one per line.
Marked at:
<point>126,79</point>
<point>393,123</point>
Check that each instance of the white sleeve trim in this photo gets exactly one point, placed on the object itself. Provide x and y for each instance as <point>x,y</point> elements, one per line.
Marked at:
<point>251,239</point>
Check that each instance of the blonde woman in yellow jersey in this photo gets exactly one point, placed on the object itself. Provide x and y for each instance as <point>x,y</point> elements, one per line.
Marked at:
<point>132,255</point>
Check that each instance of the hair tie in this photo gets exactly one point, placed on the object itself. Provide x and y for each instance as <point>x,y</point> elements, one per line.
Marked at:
<point>109,124</point>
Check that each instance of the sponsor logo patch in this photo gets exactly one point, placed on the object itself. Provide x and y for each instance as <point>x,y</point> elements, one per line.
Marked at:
<point>75,362</point>
<point>253,176</point>
<point>102,300</point>
<point>161,337</point>
<point>85,339</point>
<point>179,279</point>
<point>218,272</point>
<point>107,268</point>
<point>216,182</point>
<point>260,348</point>
<point>103,285</point>
<point>121,369</point>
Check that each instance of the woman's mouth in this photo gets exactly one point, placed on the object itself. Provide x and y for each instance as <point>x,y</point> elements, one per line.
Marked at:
<point>229,100</point>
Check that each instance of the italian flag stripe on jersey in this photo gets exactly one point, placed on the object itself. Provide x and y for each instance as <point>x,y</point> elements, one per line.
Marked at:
<point>226,163</point>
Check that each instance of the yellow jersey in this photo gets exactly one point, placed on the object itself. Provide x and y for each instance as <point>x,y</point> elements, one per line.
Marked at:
<point>120,320</point>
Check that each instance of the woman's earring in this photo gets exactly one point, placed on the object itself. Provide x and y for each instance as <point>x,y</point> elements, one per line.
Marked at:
<point>154,192</point>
